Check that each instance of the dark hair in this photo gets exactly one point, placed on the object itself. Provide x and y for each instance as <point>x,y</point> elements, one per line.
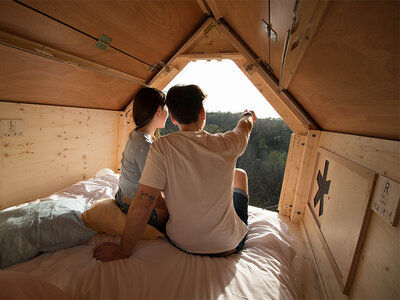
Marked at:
<point>185,102</point>
<point>145,105</point>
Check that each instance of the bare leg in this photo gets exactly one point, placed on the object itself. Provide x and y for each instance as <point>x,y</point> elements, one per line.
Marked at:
<point>240,180</point>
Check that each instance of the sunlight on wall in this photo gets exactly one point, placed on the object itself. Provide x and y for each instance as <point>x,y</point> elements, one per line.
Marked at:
<point>226,87</point>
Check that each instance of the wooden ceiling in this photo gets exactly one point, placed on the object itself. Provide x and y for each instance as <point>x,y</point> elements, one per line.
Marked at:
<point>346,79</point>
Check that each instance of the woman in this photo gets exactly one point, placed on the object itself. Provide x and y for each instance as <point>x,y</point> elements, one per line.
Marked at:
<point>149,114</point>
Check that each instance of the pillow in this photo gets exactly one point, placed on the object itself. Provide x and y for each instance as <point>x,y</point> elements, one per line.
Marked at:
<point>105,217</point>
<point>26,286</point>
<point>41,226</point>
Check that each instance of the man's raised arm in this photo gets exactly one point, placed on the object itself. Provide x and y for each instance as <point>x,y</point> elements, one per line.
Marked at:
<point>138,216</point>
<point>245,124</point>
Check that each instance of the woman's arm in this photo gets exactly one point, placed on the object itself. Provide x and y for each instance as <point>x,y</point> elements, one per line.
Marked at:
<point>138,215</point>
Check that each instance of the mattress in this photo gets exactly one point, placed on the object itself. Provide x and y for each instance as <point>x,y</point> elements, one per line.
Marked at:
<point>266,268</point>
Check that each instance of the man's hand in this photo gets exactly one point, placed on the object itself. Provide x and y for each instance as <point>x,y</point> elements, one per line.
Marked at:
<point>108,252</point>
<point>253,115</point>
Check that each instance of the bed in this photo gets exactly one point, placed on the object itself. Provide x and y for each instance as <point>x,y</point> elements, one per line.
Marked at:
<point>267,268</point>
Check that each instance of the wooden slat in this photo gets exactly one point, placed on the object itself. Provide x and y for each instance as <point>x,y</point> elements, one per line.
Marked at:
<point>12,41</point>
<point>305,174</point>
<point>33,79</point>
<point>309,16</point>
<point>25,23</point>
<point>59,147</point>
<point>380,155</point>
<point>296,147</point>
<point>206,56</point>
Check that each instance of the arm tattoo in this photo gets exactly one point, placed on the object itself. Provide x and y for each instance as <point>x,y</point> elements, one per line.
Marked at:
<point>150,198</point>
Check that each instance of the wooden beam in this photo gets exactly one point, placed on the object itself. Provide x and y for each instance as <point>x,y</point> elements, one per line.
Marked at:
<point>254,64</point>
<point>208,56</point>
<point>296,148</point>
<point>305,174</point>
<point>307,19</point>
<point>12,41</point>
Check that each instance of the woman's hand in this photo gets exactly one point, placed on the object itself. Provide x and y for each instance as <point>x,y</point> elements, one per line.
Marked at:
<point>108,252</point>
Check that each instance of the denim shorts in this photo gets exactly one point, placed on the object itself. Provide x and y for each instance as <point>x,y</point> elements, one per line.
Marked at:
<point>240,203</point>
<point>124,207</point>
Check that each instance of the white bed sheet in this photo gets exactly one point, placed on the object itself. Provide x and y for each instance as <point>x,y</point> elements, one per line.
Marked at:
<point>264,269</point>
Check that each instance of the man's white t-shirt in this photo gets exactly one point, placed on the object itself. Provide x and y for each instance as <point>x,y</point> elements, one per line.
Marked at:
<point>196,171</point>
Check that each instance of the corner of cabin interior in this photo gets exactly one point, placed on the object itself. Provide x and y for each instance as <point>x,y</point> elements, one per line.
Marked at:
<point>332,74</point>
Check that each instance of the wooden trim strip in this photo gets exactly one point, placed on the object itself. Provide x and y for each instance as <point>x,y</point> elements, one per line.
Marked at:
<point>205,56</point>
<point>304,181</point>
<point>271,81</point>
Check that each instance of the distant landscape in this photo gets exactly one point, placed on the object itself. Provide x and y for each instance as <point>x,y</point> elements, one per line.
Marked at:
<point>264,159</point>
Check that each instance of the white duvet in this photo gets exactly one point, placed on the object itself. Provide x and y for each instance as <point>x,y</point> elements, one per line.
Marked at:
<point>264,269</point>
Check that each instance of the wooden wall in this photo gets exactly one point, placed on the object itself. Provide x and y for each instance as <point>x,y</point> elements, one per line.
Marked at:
<point>377,274</point>
<point>59,147</point>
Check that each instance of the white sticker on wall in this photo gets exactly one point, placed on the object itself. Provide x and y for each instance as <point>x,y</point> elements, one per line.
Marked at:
<point>11,128</point>
<point>385,201</point>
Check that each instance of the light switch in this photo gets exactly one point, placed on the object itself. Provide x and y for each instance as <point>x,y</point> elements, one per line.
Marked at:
<point>11,128</point>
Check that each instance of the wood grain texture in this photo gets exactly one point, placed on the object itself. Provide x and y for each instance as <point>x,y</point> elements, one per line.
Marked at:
<point>29,78</point>
<point>245,17</point>
<point>309,16</point>
<point>60,146</point>
<point>28,24</point>
<point>211,40</point>
<point>348,80</point>
<point>380,155</point>
<point>303,183</point>
<point>345,214</point>
<point>296,147</point>
<point>136,27</point>
<point>13,41</point>
<point>378,270</point>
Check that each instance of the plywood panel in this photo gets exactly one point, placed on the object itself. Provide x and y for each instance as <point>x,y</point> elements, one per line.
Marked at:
<point>348,80</point>
<point>339,199</point>
<point>28,24</point>
<point>245,17</point>
<point>60,146</point>
<point>136,27</point>
<point>29,78</point>
<point>378,271</point>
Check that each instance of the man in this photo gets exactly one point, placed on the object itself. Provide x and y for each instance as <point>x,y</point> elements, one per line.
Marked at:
<point>196,171</point>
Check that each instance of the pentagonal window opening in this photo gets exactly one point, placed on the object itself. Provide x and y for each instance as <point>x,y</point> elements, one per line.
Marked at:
<point>229,92</point>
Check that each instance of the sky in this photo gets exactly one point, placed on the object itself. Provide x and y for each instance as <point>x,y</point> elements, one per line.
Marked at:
<point>226,87</point>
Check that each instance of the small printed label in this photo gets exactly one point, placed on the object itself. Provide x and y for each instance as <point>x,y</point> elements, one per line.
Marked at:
<point>385,200</point>
<point>11,128</point>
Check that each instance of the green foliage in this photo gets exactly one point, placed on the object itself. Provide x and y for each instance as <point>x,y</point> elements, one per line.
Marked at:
<point>265,156</point>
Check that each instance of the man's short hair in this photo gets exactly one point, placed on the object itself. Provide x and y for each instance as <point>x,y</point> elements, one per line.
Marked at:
<point>185,103</point>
